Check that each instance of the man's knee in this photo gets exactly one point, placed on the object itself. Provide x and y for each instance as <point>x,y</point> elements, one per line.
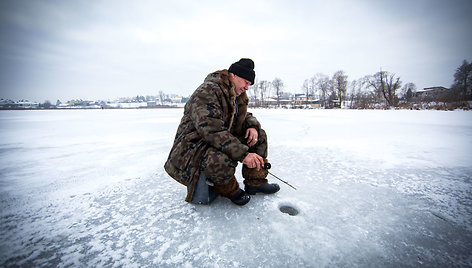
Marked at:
<point>262,135</point>
<point>218,167</point>
<point>261,146</point>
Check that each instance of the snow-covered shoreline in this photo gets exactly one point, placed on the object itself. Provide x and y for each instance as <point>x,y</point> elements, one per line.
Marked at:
<point>374,188</point>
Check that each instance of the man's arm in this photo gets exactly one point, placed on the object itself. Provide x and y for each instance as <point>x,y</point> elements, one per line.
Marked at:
<point>251,122</point>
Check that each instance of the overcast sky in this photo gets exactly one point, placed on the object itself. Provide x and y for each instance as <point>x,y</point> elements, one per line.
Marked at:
<point>103,49</point>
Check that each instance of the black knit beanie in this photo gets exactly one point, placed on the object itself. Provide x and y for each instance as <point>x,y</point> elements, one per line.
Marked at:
<point>244,68</point>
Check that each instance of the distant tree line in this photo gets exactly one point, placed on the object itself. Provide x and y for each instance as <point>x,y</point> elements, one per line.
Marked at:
<point>161,100</point>
<point>462,86</point>
<point>380,90</point>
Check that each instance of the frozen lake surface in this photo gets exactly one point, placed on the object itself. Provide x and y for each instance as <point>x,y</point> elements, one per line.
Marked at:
<point>86,188</point>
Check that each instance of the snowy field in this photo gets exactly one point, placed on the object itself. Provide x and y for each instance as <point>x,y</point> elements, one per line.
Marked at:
<point>86,188</point>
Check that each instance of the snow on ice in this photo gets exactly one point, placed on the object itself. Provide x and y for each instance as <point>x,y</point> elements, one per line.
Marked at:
<point>86,188</point>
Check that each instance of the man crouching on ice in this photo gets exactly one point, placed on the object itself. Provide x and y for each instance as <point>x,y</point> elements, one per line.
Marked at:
<point>215,133</point>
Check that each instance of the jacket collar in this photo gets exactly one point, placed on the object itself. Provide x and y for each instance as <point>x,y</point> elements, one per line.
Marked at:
<point>221,78</point>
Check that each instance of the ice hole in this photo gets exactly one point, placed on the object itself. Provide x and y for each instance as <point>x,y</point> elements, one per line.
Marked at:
<point>290,210</point>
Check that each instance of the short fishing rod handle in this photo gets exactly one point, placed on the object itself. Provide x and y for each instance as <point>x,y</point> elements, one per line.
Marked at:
<point>267,166</point>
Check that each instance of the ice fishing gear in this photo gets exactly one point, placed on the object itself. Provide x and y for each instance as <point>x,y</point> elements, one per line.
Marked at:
<point>203,194</point>
<point>267,166</point>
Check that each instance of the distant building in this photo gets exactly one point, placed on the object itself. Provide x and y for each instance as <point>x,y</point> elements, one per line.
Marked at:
<point>301,99</point>
<point>152,103</point>
<point>24,104</point>
<point>430,92</point>
<point>272,101</point>
<point>176,99</point>
<point>7,104</point>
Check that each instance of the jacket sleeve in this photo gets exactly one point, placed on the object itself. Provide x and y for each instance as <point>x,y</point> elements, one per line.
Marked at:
<point>251,122</point>
<point>207,116</point>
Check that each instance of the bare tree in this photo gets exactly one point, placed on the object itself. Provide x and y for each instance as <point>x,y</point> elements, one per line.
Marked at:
<point>387,84</point>
<point>255,91</point>
<point>47,104</point>
<point>263,86</point>
<point>408,91</point>
<point>364,96</point>
<point>278,85</point>
<point>312,86</point>
<point>340,85</point>
<point>322,84</point>
<point>306,90</point>
<point>352,94</point>
<point>360,97</point>
<point>463,80</point>
<point>162,96</point>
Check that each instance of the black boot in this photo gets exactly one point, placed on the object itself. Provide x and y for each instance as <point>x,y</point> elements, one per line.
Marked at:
<point>232,191</point>
<point>241,198</point>
<point>266,188</point>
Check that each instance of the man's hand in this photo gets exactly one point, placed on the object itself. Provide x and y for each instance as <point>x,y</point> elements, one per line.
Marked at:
<point>253,160</point>
<point>251,136</point>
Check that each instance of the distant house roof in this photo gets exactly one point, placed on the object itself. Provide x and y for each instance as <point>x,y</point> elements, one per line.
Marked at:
<point>430,91</point>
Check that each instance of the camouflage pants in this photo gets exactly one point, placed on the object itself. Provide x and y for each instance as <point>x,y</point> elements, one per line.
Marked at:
<point>219,169</point>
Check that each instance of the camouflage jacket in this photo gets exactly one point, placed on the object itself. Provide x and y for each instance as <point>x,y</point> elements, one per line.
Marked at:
<point>211,118</point>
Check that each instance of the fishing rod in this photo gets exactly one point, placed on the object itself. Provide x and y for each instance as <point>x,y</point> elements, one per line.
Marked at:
<point>267,166</point>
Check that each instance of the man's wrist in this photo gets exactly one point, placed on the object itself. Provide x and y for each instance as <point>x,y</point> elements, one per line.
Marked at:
<point>244,156</point>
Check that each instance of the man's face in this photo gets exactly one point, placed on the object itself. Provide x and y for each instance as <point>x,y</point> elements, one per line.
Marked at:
<point>240,84</point>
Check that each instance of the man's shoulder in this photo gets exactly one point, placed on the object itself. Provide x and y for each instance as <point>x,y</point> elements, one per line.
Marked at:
<point>214,82</point>
<point>208,87</point>
<point>208,91</point>
<point>220,77</point>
